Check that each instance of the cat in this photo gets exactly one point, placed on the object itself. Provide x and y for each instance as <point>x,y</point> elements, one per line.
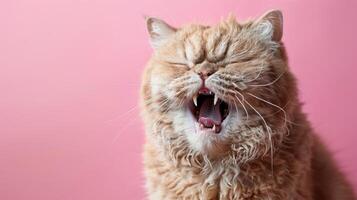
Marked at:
<point>223,119</point>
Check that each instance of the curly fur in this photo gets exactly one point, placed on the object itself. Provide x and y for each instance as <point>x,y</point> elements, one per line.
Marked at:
<point>266,150</point>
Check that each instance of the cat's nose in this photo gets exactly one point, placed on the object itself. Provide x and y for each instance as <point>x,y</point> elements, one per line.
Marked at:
<point>204,74</point>
<point>205,69</point>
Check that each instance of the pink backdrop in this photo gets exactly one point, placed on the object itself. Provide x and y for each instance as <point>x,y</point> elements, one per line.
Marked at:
<point>70,73</point>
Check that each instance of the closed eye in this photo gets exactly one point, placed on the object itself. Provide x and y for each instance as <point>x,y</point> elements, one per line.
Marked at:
<point>176,64</point>
<point>241,61</point>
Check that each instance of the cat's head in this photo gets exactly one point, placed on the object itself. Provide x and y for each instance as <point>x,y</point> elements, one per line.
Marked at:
<point>221,89</point>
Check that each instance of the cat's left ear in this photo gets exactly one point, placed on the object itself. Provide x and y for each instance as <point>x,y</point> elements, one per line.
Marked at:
<point>271,25</point>
<point>159,31</point>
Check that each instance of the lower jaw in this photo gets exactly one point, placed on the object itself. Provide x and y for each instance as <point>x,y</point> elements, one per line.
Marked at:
<point>211,144</point>
<point>209,132</point>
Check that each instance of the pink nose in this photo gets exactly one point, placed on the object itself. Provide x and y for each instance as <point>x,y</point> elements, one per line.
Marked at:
<point>204,74</point>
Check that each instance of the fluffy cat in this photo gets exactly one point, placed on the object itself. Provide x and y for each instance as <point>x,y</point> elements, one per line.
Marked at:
<point>223,119</point>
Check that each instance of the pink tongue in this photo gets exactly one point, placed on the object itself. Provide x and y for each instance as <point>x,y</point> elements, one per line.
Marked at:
<point>209,114</point>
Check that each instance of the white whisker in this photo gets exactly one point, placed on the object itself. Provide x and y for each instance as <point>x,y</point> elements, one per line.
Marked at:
<point>124,114</point>
<point>269,134</point>
<point>241,102</point>
<point>280,108</point>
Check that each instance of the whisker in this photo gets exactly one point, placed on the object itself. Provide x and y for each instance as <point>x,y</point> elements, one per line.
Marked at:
<point>245,109</point>
<point>276,106</point>
<point>123,128</point>
<point>235,105</point>
<point>124,114</point>
<point>269,134</point>
<point>182,90</point>
<point>234,92</point>
<point>161,104</point>
<point>166,101</point>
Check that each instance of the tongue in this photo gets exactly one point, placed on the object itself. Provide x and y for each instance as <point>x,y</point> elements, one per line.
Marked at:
<point>210,114</point>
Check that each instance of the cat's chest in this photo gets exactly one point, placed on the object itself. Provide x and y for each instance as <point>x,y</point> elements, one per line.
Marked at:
<point>220,185</point>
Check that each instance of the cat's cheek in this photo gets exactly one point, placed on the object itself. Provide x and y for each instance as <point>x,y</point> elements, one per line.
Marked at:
<point>185,124</point>
<point>157,84</point>
<point>196,84</point>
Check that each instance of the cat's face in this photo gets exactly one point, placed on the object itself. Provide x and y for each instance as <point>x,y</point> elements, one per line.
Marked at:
<point>217,86</point>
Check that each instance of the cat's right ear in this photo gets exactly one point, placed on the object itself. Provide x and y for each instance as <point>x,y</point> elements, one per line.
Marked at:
<point>274,28</point>
<point>159,31</point>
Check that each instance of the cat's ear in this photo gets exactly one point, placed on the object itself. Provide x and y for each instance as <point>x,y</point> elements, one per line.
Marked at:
<point>270,25</point>
<point>159,31</point>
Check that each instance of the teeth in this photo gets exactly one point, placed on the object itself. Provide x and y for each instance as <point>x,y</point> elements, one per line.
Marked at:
<point>214,127</point>
<point>215,99</point>
<point>195,99</point>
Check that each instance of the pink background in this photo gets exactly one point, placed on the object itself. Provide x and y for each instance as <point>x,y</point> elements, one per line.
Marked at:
<point>70,73</point>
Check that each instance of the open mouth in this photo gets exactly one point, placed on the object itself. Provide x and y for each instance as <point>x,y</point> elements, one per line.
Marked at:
<point>209,110</point>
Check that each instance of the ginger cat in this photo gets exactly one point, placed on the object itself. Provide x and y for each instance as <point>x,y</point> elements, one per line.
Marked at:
<point>223,119</point>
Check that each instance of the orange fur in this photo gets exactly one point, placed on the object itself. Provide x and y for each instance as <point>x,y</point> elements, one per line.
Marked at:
<point>266,150</point>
